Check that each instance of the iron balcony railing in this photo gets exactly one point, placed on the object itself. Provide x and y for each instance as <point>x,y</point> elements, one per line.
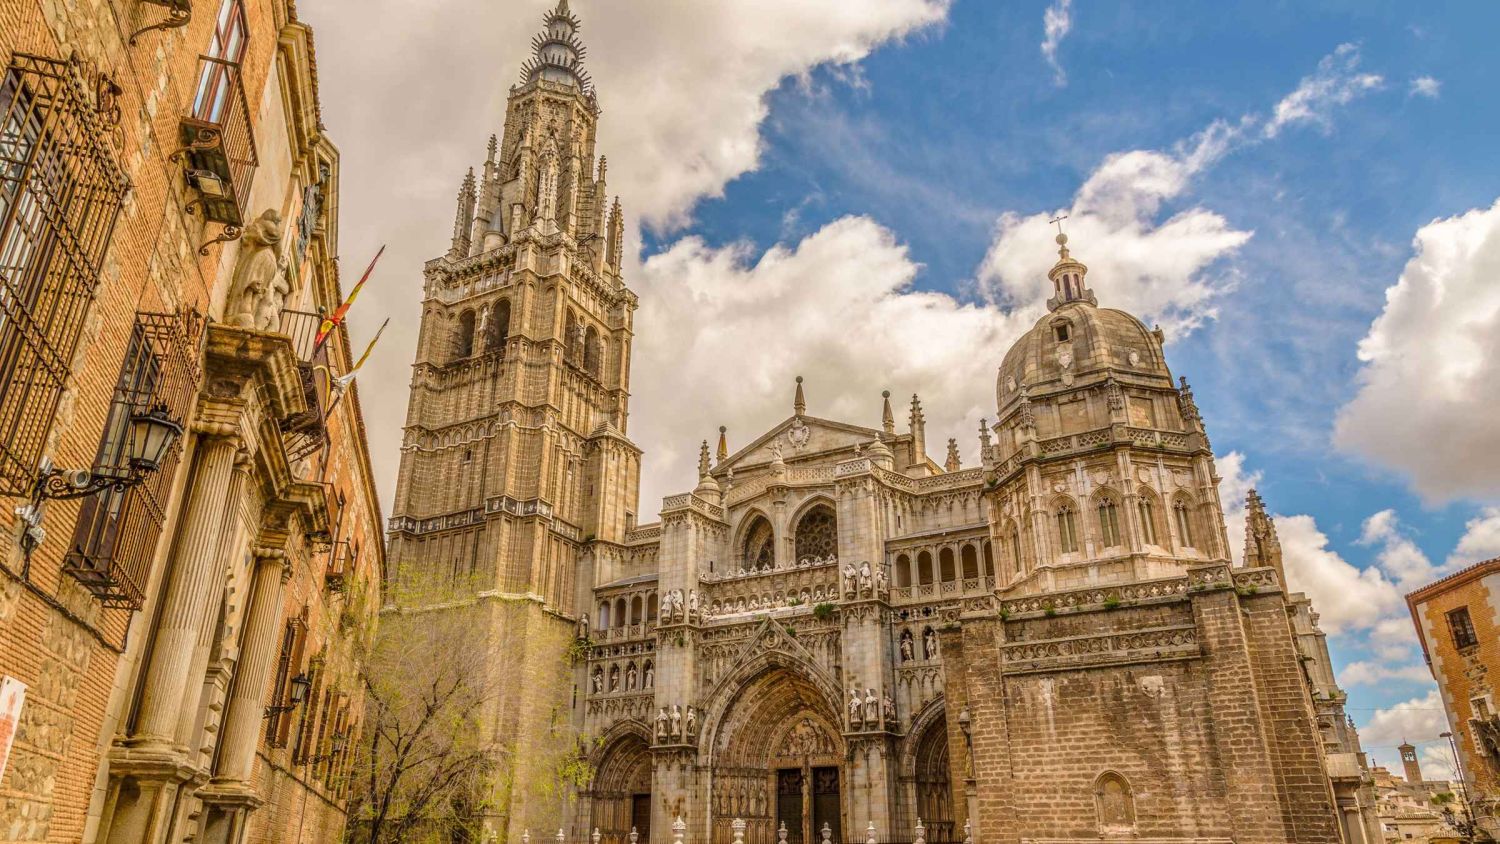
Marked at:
<point>219,145</point>
<point>304,433</point>
<point>340,565</point>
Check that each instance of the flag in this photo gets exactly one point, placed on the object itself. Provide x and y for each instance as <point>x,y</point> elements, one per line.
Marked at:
<point>337,317</point>
<point>343,380</point>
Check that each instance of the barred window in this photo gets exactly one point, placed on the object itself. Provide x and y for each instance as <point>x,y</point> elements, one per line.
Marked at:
<point>60,194</point>
<point>115,539</point>
<point>1464,635</point>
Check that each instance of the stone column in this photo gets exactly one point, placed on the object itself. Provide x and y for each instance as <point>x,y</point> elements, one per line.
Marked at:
<point>196,571</point>
<point>231,796</point>
<point>151,766</point>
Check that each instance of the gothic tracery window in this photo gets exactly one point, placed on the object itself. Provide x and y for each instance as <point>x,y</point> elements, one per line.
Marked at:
<point>1109,522</point>
<point>1184,515</point>
<point>817,535</point>
<point>760,545</point>
<point>1067,529</point>
<point>1147,510</point>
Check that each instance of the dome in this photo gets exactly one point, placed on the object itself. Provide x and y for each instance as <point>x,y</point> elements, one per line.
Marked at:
<point>1080,342</point>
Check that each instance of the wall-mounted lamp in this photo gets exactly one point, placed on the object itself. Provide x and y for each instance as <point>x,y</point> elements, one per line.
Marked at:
<point>301,684</point>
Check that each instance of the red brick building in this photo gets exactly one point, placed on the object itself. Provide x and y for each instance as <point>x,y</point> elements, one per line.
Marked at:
<point>168,234</point>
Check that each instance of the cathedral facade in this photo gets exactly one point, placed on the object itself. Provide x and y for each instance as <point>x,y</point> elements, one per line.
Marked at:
<point>832,633</point>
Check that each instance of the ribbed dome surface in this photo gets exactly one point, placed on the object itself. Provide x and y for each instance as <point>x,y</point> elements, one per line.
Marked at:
<point>1079,340</point>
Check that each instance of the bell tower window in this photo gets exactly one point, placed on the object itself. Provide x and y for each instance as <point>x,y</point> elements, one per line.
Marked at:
<point>1062,331</point>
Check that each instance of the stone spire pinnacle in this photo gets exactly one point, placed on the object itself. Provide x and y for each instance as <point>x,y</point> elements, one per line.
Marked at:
<point>556,53</point>
<point>1262,546</point>
<point>703,464</point>
<point>953,463</point>
<point>799,404</point>
<point>918,423</point>
<point>1067,278</point>
<point>887,418</point>
<point>723,444</point>
<point>463,217</point>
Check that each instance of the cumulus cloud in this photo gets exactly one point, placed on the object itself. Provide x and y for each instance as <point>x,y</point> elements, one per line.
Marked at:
<point>1426,86</point>
<point>1421,721</point>
<point>1057,21</point>
<point>1337,81</point>
<point>1398,555</point>
<point>1429,387</point>
<point>837,307</point>
<point>1155,269</point>
<point>1371,673</point>
<point>1481,539</point>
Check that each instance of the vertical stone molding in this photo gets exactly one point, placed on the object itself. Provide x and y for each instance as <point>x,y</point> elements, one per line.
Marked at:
<point>242,726</point>
<point>196,571</point>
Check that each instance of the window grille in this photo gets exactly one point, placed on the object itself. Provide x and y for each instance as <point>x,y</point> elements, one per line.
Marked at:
<point>1464,635</point>
<point>114,541</point>
<point>60,193</point>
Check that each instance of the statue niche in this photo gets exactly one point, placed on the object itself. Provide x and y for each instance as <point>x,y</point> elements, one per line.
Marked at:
<point>259,286</point>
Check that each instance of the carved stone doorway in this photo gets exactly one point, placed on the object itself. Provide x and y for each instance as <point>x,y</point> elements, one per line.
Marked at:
<point>621,795</point>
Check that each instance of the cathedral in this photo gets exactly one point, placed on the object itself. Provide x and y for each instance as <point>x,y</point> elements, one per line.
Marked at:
<point>832,636</point>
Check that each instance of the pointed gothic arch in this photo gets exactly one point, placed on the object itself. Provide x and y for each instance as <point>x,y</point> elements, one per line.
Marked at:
<point>1149,514</point>
<point>593,352</point>
<point>757,542</point>
<point>463,336</point>
<point>816,535</point>
<point>1108,518</point>
<point>497,328</point>
<point>621,783</point>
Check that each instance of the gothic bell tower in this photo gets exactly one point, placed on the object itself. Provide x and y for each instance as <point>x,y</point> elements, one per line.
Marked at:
<point>515,454</point>
<point>516,471</point>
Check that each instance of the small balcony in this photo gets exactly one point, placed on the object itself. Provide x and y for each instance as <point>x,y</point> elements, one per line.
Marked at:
<point>340,566</point>
<point>218,151</point>
<point>304,434</point>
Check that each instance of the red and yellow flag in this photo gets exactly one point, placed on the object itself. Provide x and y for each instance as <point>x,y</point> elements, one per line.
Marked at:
<point>337,317</point>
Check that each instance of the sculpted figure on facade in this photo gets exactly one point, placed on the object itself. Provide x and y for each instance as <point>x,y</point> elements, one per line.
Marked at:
<point>691,723</point>
<point>676,729</point>
<point>908,652</point>
<point>929,644</point>
<point>259,285</point>
<point>856,710</point>
<point>872,710</point>
<point>630,677</point>
<point>866,581</point>
<point>663,726</point>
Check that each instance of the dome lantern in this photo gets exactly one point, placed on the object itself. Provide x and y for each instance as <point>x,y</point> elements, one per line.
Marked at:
<point>1067,277</point>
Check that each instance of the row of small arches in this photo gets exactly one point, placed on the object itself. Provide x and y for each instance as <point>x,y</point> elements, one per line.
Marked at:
<point>636,609</point>
<point>583,347</point>
<point>1108,518</point>
<point>481,331</point>
<point>946,567</point>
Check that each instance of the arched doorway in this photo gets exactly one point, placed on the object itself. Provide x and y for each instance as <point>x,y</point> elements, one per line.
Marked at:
<point>620,797</point>
<point>928,780</point>
<point>778,753</point>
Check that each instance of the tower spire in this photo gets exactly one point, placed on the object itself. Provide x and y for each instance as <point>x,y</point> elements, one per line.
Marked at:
<point>953,463</point>
<point>463,217</point>
<point>799,404</point>
<point>1262,546</point>
<point>556,53</point>
<point>723,444</point>
<point>887,418</point>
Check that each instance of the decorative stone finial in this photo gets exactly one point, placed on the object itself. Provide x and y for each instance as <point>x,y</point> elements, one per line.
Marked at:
<point>679,828</point>
<point>634,836</point>
<point>738,825</point>
<point>1262,546</point>
<point>921,834</point>
<point>799,404</point>
<point>953,463</point>
<point>887,418</point>
<point>968,832</point>
<point>827,833</point>
<point>560,837</point>
<point>984,435</point>
<point>723,444</point>
<point>703,465</point>
<point>870,833</point>
<point>596,836</point>
<point>1186,404</point>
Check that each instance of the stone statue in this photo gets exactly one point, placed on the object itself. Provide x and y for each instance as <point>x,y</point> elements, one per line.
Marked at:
<point>693,604</point>
<point>908,651</point>
<point>880,580</point>
<point>866,583</point>
<point>676,720</point>
<point>929,645</point>
<point>614,679</point>
<point>872,709</point>
<point>851,580</point>
<point>598,680</point>
<point>856,709</point>
<point>259,285</point>
<point>648,680</point>
<point>630,677</point>
<point>661,725</point>
<point>692,722</point>
<point>583,626</point>
<point>889,707</point>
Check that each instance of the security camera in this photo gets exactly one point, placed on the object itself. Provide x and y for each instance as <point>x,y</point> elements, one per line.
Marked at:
<point>77,478</point>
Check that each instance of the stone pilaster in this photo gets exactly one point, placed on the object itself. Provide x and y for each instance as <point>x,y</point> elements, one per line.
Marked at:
<point>230,795</point>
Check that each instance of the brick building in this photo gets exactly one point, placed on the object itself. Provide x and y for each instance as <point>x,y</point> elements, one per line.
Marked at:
<point>168,233</point>
<point>1457,623</point>
<point>832,629</point>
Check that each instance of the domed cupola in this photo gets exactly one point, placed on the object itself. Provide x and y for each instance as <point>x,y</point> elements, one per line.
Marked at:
<point>1078,344</point>
<point>1067,278</point>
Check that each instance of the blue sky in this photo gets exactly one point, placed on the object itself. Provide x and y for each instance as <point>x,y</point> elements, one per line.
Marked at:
<point>857,192</point>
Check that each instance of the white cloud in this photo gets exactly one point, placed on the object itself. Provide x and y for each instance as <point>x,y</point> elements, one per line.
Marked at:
<point>1372,673</point>
<point>1057,21</point>
<point>836,307</point>
<point>1426,86</point>
<point>1421,721</point>
<point>1337,81</point>
<point>1430,384</point>
<point>1399,556</point>
<point>1481,540</point>
<point>1156,270</point>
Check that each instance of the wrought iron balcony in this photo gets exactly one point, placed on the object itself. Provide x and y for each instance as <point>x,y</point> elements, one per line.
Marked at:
<point>219,147</point>
<point>304,433</point>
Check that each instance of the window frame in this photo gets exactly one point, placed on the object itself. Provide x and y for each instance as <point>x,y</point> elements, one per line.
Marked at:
<point>1464,635</point>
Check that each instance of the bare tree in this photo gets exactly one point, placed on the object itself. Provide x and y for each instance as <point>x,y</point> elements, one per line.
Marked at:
<point>424,762</point>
